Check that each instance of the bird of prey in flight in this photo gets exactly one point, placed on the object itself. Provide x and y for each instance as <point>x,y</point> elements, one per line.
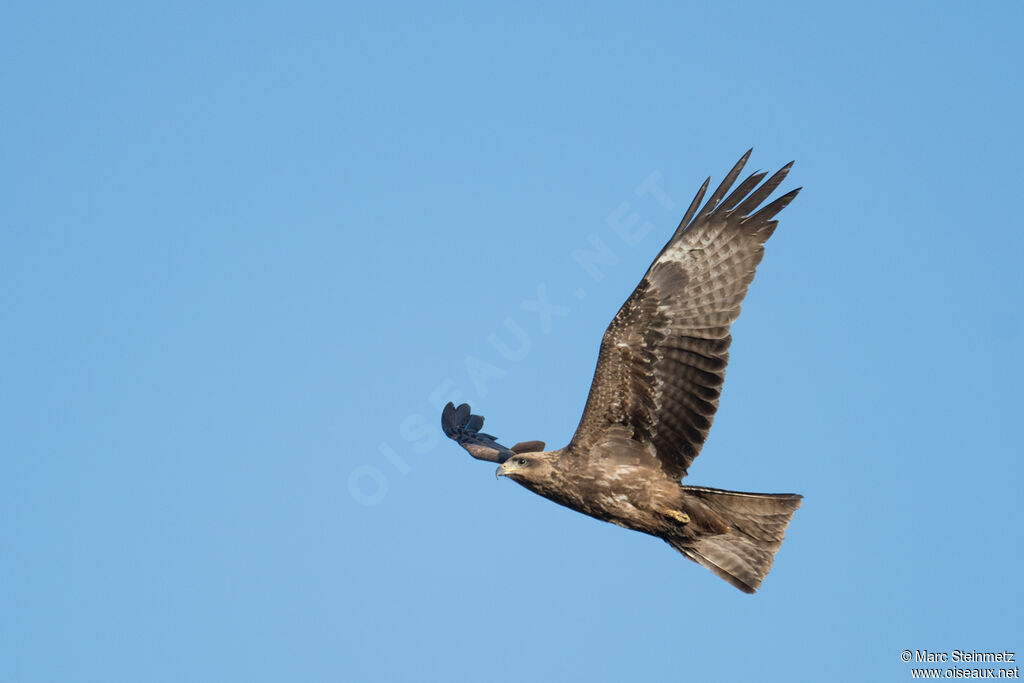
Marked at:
<point>655,392</point>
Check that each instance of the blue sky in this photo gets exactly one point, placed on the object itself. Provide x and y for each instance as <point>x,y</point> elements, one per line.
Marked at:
<point>247,251</point>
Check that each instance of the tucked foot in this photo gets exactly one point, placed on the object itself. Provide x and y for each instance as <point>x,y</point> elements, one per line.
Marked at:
<point>678,515</point>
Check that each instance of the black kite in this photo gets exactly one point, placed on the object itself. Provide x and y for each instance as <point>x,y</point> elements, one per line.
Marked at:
<point>654,395</point>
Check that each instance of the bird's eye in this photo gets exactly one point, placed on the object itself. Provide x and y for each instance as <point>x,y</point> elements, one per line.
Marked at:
<point>522,461</point>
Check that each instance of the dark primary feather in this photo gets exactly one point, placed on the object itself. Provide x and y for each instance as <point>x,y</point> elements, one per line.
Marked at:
<point>663,357</point>
<point>726,183</point>
<point>461,426</point>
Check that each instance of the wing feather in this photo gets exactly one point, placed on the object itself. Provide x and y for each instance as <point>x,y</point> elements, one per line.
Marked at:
<point>662,362</point>
<point>742,191</point>
<point>727,182</point>
<point>460,425</point>
<point>761,193</point>
<point>694,205</point>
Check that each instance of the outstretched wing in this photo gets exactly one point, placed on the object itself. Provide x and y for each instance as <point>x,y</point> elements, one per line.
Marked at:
<point>662,361</point>
<point>459,424</point>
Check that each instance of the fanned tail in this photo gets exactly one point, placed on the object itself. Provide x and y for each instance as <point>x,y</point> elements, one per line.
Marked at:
<point>757,524</point>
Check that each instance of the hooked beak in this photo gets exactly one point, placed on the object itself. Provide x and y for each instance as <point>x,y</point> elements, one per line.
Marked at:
<point>501,471</point>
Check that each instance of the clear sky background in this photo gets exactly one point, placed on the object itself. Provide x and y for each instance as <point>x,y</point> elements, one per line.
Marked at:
<point>248,251</point>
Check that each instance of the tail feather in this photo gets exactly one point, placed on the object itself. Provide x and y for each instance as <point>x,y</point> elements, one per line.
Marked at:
<point>756,526</point>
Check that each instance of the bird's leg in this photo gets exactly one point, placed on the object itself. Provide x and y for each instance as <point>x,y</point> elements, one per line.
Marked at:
<point>677,515</point>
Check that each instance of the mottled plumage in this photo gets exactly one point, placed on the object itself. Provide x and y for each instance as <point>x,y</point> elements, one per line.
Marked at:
<point>655,393</point>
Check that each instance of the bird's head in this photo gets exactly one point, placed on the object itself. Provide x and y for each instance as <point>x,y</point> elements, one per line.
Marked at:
<point>525,467</point>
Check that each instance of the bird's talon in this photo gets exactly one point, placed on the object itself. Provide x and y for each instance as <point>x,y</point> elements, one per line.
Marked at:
<point>680,517</point>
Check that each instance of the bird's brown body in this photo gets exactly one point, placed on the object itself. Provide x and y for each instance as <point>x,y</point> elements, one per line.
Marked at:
<point>655,393</point>
<point>621,493</point>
